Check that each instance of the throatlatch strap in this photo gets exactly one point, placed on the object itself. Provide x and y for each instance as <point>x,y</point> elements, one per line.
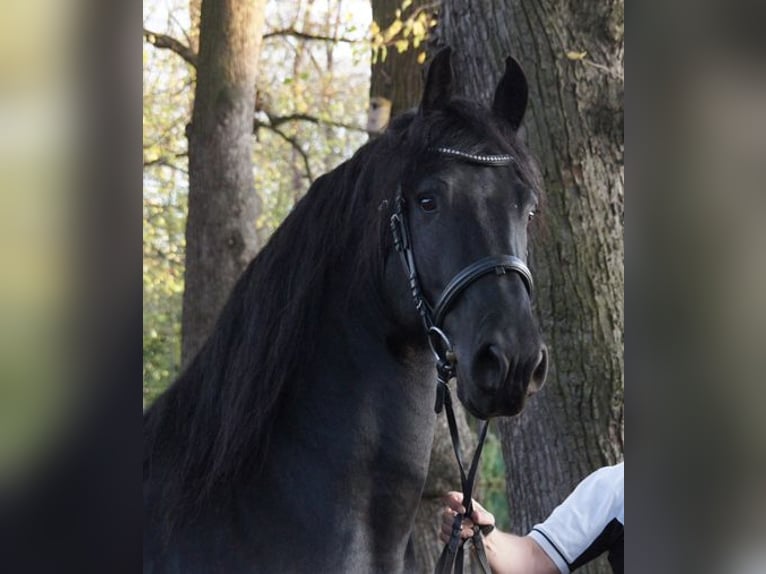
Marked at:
<point>451,559</point>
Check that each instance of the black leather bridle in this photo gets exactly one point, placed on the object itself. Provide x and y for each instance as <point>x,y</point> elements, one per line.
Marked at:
<point>432,317</point>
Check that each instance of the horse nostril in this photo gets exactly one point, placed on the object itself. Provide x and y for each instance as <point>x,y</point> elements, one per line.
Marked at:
<point>490,367</point>
<point>540,372</point>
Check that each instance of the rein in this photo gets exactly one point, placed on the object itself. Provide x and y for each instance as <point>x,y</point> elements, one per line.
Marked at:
<point>432,317</point>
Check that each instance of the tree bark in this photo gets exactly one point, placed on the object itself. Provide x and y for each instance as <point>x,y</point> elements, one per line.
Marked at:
<point>223,206</point>
<point>575,127</point>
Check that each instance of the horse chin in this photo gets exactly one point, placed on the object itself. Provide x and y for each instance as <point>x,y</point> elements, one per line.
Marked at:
<point>489,406</point>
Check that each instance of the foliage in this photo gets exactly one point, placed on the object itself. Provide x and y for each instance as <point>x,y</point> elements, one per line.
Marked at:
<point>491,482</point>
<point>323,85</point>
<point>167,106</point>
<point>410,28</point>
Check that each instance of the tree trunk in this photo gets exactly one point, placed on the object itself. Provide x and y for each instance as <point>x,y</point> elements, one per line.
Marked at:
<point>223,206</point>
<point>575,128</point>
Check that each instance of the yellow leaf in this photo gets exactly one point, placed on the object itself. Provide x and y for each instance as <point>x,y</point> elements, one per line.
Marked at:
<point>418,29</point>
<point>421,57</point>
<point>576,55</point>
<point>374,29</point>
<point>401,45</point>
<point>406,4</point>
<point>393,30</point>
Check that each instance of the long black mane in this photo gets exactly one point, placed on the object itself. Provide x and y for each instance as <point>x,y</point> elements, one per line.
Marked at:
<point>212,426</point>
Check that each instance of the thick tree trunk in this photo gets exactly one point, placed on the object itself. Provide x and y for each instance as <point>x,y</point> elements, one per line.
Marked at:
<point>575,127</point>
<point>223,206</point>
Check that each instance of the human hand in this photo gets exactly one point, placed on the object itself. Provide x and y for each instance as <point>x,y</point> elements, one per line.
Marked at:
<point>454,502</point>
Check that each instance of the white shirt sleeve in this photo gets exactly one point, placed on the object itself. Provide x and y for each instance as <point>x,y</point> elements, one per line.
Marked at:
<point>573,525</point>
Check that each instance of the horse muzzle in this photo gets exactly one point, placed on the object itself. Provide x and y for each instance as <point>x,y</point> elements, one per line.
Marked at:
<point>497,378</point>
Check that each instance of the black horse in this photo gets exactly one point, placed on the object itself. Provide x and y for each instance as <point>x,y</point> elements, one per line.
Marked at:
<point>298,439</point>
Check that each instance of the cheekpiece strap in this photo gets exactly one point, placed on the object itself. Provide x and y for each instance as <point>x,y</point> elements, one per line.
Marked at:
<point>403,244</point>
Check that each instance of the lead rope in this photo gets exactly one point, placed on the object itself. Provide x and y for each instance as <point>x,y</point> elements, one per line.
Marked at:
<point>451,559</point>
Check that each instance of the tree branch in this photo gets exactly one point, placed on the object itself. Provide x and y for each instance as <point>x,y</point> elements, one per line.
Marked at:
<point>297,147</point>
<point>305,36</point>
<point>166,161</point>
<point>275,121</point>
<point>291,140</point>
<point>169,43</point>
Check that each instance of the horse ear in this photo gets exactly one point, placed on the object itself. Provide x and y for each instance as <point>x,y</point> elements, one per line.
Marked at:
<point>438,90</point>
<point>511,94</point>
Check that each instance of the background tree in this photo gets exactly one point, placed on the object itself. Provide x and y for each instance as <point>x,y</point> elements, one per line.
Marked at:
<point>573,55</point>
<point>223,207</point>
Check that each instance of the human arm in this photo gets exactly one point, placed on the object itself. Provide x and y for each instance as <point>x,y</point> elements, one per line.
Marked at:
<point>588,523</point>
<point>506,553</point>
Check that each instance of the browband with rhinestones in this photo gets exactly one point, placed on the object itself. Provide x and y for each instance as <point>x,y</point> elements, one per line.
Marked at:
<point>485,159</point>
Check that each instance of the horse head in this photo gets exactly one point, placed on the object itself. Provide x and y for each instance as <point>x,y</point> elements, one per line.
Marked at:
<point>465,199</point>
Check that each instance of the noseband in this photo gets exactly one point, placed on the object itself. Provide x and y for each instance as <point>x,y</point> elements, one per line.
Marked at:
<point>432,317</point>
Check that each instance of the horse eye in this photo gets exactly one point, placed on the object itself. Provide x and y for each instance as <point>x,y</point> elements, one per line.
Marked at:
<point>427,203</point>
<point>532,215</point>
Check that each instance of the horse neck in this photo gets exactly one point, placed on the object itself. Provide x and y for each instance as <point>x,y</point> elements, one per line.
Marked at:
<point>357,381</point>
<point>358,431</point>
